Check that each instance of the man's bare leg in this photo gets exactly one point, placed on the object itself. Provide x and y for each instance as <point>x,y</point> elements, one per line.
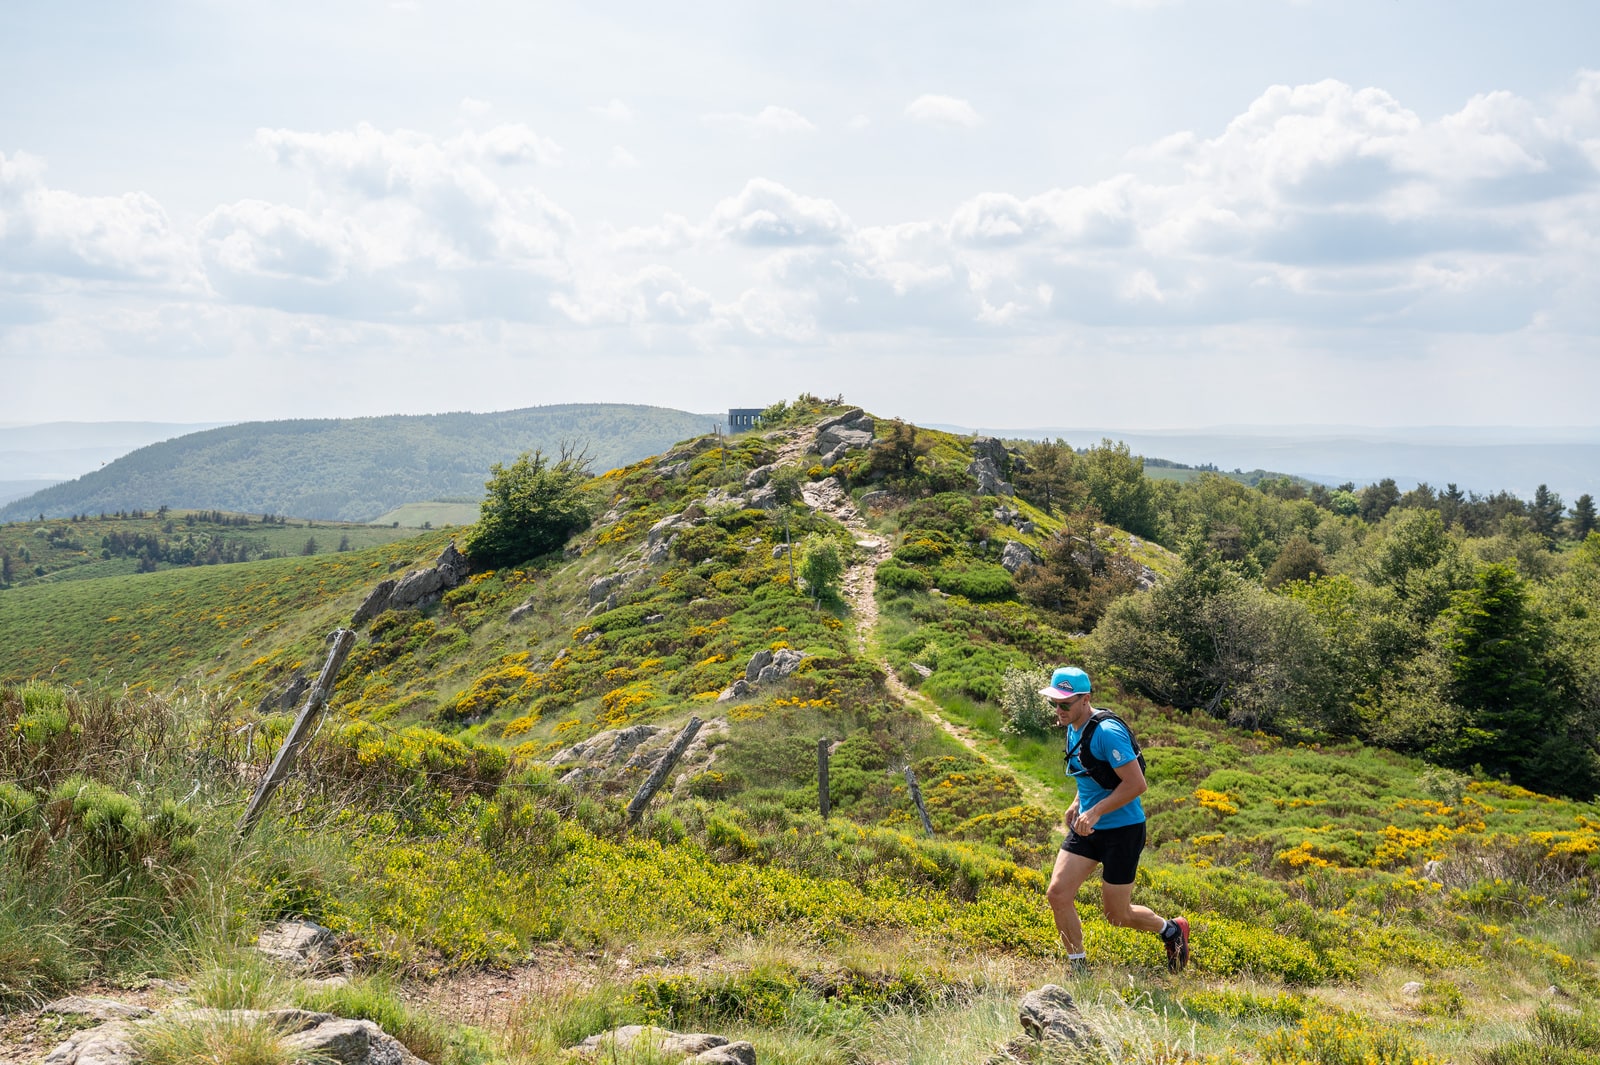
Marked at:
<point>1066,878</point>
<point>1117,901</point>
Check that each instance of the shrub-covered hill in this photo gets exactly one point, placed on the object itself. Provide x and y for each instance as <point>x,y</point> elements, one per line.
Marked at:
<point>431,829</point>
<point>353,469</point>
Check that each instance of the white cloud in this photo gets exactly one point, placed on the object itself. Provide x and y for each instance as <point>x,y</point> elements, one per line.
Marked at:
<point>655,294</point>
<point>57,232</point>
<point>938,110</point>
<point>613,111</point>
<point>767,213</point>
<point>769,120</point>
<point>622,159</point>
<point>675,233</point>
<point>471,105</point>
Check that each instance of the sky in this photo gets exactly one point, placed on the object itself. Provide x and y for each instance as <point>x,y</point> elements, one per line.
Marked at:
<point>1140,214</point>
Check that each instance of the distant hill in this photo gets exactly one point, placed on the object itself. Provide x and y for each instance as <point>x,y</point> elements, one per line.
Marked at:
<point>354,469</point>
<point>1482,459</point>
<point>51,452</point>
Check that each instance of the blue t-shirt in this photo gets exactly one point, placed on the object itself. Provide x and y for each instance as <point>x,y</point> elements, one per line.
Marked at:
<point>1110,743</point>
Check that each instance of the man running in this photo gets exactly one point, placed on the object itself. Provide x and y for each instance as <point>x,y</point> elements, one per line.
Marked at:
<point>1105,824</point>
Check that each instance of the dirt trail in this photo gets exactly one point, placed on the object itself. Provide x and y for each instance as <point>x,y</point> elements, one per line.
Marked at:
<point>860,591</point>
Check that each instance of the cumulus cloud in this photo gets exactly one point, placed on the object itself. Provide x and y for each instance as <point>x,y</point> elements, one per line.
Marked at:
<point>57,232</point>
<point>770,120</point>
<point>622,159</point>
<point>767,213</point>
<point>654,295</point>
<point>938,110</point>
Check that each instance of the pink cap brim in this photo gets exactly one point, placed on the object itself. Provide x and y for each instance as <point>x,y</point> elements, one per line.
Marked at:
<point>1057,693</point>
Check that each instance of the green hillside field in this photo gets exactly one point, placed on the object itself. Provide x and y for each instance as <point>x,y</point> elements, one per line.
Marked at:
<point>1350,903</point>
<point>353,469</point>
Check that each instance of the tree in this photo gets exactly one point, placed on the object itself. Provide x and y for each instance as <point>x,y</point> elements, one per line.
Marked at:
<point>1546,513</point>
<point>1299,560</point>
<point>1494,643</point>
<point>821,566</point>
<point>1078,577</point>
<point>1583,518</point>
<point>310,546</point>
<point>1117,485</point>
<point>344,542</point>
<point>531,508</point>
<point>1378,499</point>
<point>1049,479</point>
<point>896,454</point>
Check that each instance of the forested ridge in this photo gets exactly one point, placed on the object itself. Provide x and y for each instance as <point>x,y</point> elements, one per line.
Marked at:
<point>352,469</point>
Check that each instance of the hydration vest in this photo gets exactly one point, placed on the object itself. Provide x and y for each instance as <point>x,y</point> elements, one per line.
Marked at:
<point>1098,769</point>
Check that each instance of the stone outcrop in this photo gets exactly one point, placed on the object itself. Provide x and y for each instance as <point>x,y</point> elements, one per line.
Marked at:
<point>286,697</point>
<point>417,588</point>
<point>852,429</point>
<point>983,470</point>
<point>702,1047</point>
<point>1056,1031</point>
<point>760,475</point>
<point>302,946</point>
<point>305,1035</point>
<point>1015,555</point>
<point>627,755</point>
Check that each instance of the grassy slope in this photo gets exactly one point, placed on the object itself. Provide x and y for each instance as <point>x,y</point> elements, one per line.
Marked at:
<point>353,469</point>
<point>1299,867</point>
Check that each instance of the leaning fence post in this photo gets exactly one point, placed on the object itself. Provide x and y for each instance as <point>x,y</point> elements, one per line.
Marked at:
<point>822,777</point>
<point>658,775</point>
<point>916,797</point>
<point>316,699</point>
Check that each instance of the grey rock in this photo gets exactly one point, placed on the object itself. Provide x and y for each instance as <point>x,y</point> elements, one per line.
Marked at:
<point>693,1043</point>
<point>376,603</point>
<point>343,1041</point>
<point>658,553</point>
<point>780,550</point>
<point>601,587</point>
<point>987,474</point>
<point>625,1037</point>
<point>758,661</point>
<point>302,945</point>
<point>848,437</point>
<point>518,613</point>
<point>1049,1014</point>
<point>740,1053</point>
<point>762,499</point>
<point>836,456</point>
<point>783,662</point>
<point>673,469</point>
<point>414,587</point>
<point>663,528</point>
<point>739,689</point>
<point>452,565</point>
<point>851,415</point>
<point>109,1044</point>
<point>288,696</point>
<point>760,475</point>
<point>1015,555</point>
<point>877,498</point>
<point>605,749</point>
<point>653,619</point>
<point>1025,528</point>
<point>101,1009</point>
<point>992,449</point>
<point>921,670</point>
<point>1412,989</point>
<point>1147,579</point>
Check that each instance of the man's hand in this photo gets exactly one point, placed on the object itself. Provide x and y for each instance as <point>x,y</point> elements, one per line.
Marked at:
<point>1084,823</point>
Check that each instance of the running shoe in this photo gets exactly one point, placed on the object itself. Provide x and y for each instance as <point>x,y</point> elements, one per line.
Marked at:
<point>1178,946</point>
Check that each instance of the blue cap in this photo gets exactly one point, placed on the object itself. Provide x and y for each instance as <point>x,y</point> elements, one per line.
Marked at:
<point>1067,682</point>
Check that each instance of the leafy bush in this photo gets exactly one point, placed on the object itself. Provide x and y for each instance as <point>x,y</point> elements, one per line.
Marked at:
<point>1027,712</point>
<point>531,508</point>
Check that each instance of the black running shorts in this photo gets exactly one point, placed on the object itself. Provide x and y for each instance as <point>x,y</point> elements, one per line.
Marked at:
<point>1116,849</point>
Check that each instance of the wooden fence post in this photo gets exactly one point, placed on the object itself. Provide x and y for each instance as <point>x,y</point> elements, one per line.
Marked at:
<point>299,732</point>
<point>658,775</point>
<point>916,797</point>
<point>822,777</point>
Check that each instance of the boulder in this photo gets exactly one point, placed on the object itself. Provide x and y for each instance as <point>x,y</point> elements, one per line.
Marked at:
<point>304,946</point>
<point>992,449</point>
<point>376,603</point>
<point>762,499</point>
<point>760,475</point>
<point>601,587</point>
<point>101,1009</point>
<point>658,553</point>
<point>758,661</point>
<point>663,528</point>
<point>739,689</point>
<point>784,662</point>
<point>288,696</point>
<point>1050,1015</point>
<point>987,474</point>
<point>834,457</point>
<point>523,611</point>
<point>673,469</point>
<point>780,550</point>
<point>840,436</point>
<point>109,1044</point>
<point>740,1053</point>
<point>605,749</point>
<point>1016,555</point>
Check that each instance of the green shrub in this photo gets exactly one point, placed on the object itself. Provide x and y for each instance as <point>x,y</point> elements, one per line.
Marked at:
<point>900,578</point>
<point>111,833</point>
<point>532,506</point>
<point>974,580</point>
